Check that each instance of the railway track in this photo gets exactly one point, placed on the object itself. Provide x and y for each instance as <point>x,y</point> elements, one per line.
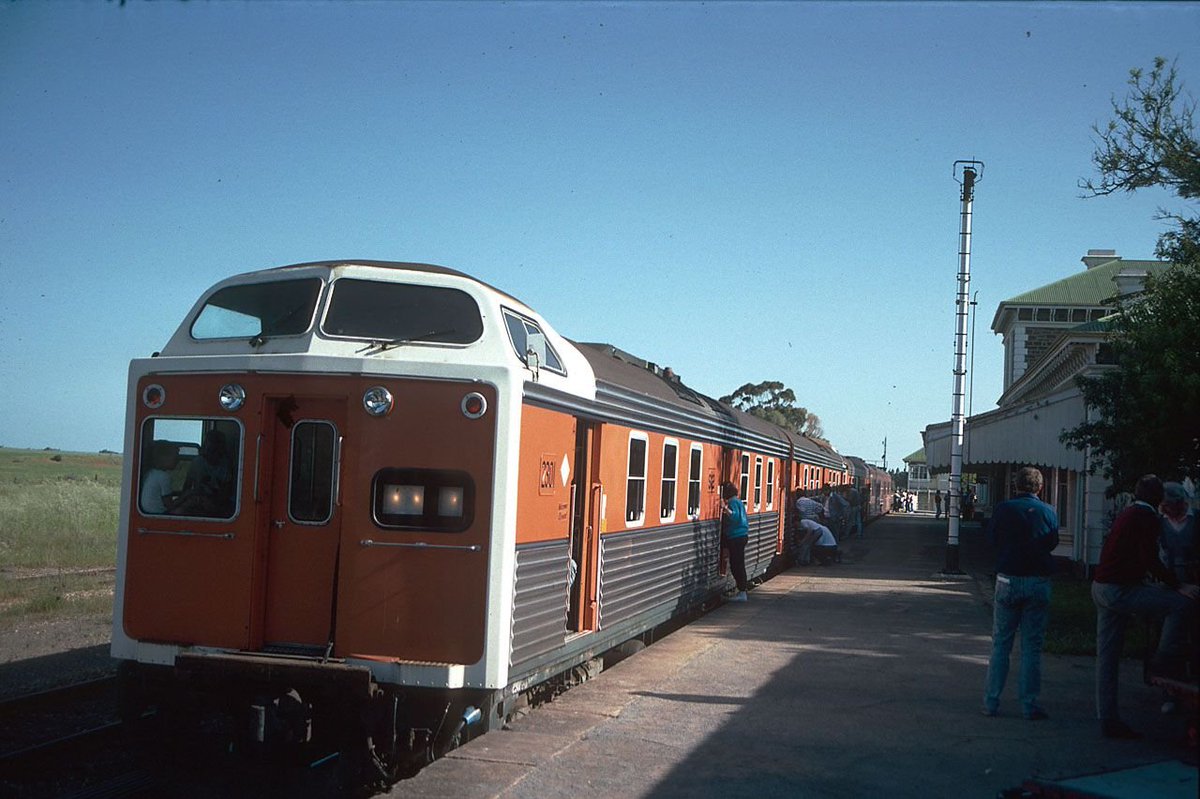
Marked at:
<point>68,742</point>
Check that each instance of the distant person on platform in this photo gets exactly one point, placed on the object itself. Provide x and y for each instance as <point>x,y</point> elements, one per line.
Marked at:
<point>735,530</point>
<point>1120,590</point>
<point>937,504</point>
<point>854,519</point>
<point>1024,531</point>
<point>837,509</point>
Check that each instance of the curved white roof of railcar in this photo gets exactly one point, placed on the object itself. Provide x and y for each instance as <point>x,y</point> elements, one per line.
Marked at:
<point>492,347</point>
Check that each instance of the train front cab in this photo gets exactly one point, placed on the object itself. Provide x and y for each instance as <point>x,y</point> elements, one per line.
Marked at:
<point>336,536</point>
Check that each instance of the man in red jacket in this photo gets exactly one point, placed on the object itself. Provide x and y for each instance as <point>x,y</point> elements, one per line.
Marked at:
<point>1120,591</point>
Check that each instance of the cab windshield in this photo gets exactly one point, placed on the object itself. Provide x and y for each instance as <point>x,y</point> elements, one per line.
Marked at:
<point>400,312</point>
<point>278,308</point>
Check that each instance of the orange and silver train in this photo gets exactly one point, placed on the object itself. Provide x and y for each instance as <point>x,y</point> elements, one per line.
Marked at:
<point>395,498</point>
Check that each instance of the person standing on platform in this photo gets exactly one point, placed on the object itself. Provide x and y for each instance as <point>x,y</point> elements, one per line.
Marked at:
<point>1120,591</point>
<point>735,529</point>
<point>937,504</point>
<point>854,526</point>
<point>1177,542</point>
<point>836,511</point>
<point>1025,531</point>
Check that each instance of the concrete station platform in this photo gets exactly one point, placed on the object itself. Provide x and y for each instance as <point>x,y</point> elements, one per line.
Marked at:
<point>862,679</point>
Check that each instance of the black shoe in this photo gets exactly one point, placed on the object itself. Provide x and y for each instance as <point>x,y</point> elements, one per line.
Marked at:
<point>1115,728</point>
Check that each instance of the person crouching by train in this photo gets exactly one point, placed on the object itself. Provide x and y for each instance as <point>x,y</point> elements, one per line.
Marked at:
<point>735,530</point>
<point>806,508</point>
<point>823,542</point>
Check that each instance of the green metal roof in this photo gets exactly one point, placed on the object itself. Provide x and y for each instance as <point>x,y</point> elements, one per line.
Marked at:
<point>1090,287</point>
<point>916,457</point>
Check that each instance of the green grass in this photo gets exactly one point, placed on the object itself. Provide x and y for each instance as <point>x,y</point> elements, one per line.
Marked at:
<point>1072,626</point>
<point>59,513</point>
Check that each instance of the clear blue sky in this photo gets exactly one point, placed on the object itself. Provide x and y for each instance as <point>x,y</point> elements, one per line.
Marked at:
<point>740,191</point>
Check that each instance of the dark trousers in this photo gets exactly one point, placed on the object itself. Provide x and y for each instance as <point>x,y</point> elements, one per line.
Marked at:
<point>737,560</point>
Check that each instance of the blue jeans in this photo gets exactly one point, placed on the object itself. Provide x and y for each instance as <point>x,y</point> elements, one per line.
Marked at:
<point>1115,605</point>
<point>1021,603</point>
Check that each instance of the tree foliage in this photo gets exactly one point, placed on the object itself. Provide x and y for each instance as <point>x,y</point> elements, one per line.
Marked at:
<point>1144,413</point>
<point>1151,141</point>
<point>776,403</point>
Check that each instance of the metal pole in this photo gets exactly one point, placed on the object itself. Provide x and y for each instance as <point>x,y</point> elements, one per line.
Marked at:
<point>962,313</point>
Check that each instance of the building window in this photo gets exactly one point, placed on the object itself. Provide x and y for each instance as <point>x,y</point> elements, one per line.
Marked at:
<point>694,471</point>
<point>770,484</point>
<point>635,481</point>
<point>670,466</point>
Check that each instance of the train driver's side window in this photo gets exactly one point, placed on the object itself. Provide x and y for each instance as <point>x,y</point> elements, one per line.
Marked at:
<point>190,467</point>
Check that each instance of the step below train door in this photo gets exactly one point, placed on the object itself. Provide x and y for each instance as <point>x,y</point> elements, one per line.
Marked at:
<point>304,523</point>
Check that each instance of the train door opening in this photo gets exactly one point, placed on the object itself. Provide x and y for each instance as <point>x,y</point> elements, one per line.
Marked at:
<point>585,526</point>
<point>304,522</point>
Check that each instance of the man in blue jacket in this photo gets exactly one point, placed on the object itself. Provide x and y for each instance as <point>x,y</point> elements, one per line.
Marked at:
<point>1025,531</point>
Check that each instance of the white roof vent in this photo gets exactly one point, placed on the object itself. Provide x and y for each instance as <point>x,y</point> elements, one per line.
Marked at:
<point>1095,258</point>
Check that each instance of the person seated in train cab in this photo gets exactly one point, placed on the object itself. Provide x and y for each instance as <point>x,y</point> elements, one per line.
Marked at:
<point>207,487</point>
<point>156,495</point>
<point>824,544</point>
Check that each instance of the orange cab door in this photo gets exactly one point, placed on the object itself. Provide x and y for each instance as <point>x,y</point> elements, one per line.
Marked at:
<point>303,521</point>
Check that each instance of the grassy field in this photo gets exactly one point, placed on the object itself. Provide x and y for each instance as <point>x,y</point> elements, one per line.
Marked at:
<point>58,530</point>
<point>58,536</point>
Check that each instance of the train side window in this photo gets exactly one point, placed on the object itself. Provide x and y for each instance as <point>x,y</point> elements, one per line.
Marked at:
<point>635,481</point>
<point>311,484</point>
<point>744,487</point>
<point>519,330</point>
<point>758,476</point>
<point>423,499</point>
<point>694,472</point>
<point>190,467</point>
<point>770,484</point>
<point>670,475</point>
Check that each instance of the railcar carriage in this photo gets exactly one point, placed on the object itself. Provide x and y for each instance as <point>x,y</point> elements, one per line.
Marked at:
<point>368,504</point>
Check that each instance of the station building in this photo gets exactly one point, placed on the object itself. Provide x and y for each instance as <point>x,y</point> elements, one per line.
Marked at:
<point>1052,335</point>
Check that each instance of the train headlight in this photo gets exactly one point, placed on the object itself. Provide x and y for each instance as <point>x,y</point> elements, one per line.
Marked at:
<point>232,396</point>
<point>474,405</point>
<point>378,401</point>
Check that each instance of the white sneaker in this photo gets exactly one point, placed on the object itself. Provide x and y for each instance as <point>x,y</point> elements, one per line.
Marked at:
<point>739,597</point>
